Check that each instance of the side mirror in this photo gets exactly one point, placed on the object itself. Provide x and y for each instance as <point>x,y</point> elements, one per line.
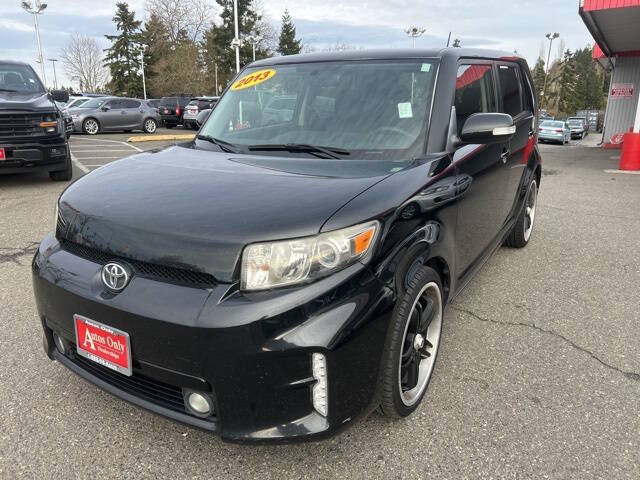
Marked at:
<point>60,96</point>
<point>105,108</point>
<point>487,128</point>
<point>202,117</point>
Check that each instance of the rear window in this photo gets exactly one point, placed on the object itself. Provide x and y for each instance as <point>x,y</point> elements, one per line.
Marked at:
<point>552,124</point>
<point>193,102</point>
<point>169,101</point>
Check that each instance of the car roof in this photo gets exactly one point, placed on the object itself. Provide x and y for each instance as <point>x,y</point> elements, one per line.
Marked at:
<point>387,54</point>
<point>14,62</point>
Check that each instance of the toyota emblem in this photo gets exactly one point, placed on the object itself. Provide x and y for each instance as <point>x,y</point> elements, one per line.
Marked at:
<point>115,276</point>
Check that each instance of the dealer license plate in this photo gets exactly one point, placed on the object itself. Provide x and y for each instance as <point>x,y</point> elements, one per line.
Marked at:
<point>103,344</point>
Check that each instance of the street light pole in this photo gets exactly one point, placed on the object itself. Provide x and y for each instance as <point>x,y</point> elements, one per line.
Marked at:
<point>414,32</point>
<point>55,76</point>
<point>215,68</point>
<point>237,38</point>
<point>36,9</point>
<point>551,38</point>
<point>144,83</point>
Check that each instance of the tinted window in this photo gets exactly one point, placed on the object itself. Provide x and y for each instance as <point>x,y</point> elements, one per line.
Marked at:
<point>19,78</point>
<point>474,92</point>
<point>115,103</point>
<point>169,101</point>
<point>130,104</point>
<point>510,89</point>
<point>193,102</point>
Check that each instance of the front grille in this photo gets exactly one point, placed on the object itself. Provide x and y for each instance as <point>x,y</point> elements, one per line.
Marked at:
<point>21,124</point>
<point>154,391</point>
<point>153,271</point>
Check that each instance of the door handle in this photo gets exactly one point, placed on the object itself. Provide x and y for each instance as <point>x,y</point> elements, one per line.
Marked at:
<point>505,155</point>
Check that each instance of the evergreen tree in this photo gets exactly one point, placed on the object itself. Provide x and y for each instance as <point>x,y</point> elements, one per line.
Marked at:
<point>588,81</point>
<point>155,39</point>
<point>568,101</point>
<point>288,44</point>
<point>122,57</point>
<point>538,74</point>
<point>216,44</point>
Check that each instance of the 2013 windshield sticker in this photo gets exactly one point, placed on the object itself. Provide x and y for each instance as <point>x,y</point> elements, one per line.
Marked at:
<point>253,79</point>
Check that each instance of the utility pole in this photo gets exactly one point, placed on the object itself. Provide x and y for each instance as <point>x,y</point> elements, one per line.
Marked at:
<point>253,40</point>
<point>551,38</point>
<point>144,83</point>
<point>414,32</point>
<point>55,77</point>
<point>236,40</point>
<point>36,9</point>
<point>215,68</point>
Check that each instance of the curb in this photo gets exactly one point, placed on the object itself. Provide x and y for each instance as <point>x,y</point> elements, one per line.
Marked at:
<point>161,138</point>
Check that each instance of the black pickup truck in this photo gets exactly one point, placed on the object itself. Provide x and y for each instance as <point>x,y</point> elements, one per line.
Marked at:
<point>32,129</point>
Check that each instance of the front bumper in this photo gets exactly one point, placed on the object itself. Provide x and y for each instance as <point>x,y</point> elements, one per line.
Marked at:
<point>250,353</point>
<point>33,156</point>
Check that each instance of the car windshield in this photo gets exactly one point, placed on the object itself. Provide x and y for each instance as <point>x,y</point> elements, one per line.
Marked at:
<point>95,103</point>
<point>364,109</point>
<point>577,123</point>
<point>20,79</point>
<point>552,124</point>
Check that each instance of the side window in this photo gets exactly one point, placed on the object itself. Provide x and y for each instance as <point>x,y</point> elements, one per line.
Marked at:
<point>474,92</point>
<point>130,104</point>
<point>510,90</point>
<point>114,104</point>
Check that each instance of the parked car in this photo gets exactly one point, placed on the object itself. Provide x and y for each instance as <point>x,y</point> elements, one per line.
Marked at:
<point>276,283</point>
<point>32,128</point>
<point>195,106</point>
<point>579,127</point>
<point>171,109</point>
<point>66,118</point>
<point>114,113</point>
<point>76,102</point>
<point>153,102</point>
<point>554,131</point>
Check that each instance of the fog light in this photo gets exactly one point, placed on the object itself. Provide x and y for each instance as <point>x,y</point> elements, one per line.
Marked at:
<point>56,152</point>
<point>199,403</point>
<point>319,389</point>
<point>59,343</point>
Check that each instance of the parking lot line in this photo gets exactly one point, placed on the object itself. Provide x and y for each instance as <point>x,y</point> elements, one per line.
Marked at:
<point>109,150</point>
<point>78,164</point>
<point>99,158</point>
<point>111,141</point>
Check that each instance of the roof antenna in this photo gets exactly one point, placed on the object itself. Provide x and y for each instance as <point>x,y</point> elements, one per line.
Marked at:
<point>449,39</point>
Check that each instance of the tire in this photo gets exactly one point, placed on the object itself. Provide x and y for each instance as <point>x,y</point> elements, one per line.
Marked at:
<point>521,232</point>
<point>150,125</point>
<point>63,175</point>
<point>90,126</point>
<point>405,348</point>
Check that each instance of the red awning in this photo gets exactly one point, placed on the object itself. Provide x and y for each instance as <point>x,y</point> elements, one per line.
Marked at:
<point>614,25</point>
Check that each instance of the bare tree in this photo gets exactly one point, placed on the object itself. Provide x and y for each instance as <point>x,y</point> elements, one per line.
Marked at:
<point>191,17</point>
<point>82,61</point>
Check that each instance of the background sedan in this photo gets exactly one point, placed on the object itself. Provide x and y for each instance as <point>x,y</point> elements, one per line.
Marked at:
<point>112,114</point>
<point>554,131</point>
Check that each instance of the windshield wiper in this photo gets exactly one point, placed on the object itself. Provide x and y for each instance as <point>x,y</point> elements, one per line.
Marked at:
<point>331,152</point>
<point>224,146</point>
<point>7,90</point>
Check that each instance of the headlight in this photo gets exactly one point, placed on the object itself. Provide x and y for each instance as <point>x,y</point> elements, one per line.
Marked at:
<point>287,262</point>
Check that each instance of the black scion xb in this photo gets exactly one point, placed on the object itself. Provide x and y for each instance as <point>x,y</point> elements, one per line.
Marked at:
<point>286,272</point>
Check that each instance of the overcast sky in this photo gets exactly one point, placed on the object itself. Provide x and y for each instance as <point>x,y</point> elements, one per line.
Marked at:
<point>501,24</point>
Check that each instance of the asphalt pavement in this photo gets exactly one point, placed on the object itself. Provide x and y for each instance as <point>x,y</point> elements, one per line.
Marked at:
<point>538,374</point>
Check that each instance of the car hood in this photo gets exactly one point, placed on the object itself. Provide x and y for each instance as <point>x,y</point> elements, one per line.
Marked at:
<point>32,102</point>
<point>197,209</point>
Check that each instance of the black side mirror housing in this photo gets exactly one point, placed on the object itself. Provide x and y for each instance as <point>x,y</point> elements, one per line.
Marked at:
<point>60,96</point>
<point>105,108</point>
<point>202,117</point>
<point>487,128</point>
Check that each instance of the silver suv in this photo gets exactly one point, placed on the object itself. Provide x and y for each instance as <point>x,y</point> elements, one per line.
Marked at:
<point>114,113</point>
